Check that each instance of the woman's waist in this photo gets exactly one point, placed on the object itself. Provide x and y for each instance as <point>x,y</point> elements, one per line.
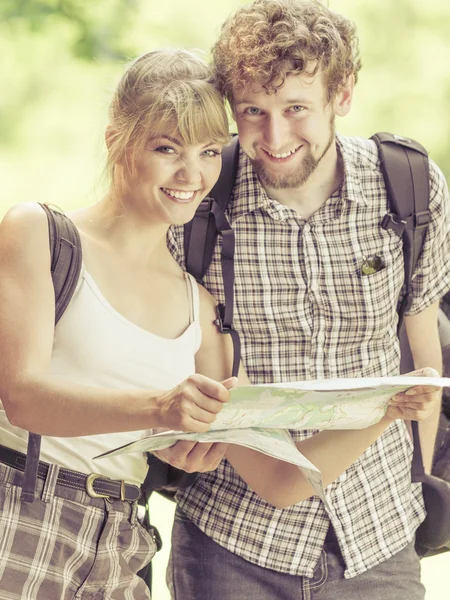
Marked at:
<point>77,453</point>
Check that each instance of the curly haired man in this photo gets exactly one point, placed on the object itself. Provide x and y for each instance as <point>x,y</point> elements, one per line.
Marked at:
<point>306,209</point>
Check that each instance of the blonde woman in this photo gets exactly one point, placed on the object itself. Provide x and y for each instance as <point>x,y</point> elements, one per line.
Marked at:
<point>96,379</point>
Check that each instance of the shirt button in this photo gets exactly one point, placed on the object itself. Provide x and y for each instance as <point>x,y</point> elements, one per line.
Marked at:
<point>314,286</point>
<point>307,228</point>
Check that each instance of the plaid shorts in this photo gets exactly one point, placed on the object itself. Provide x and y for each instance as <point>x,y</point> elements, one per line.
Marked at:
<point>68,545</point>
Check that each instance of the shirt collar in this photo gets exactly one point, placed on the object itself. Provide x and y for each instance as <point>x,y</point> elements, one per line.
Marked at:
<point>249,195</point>
<point>351,189</point>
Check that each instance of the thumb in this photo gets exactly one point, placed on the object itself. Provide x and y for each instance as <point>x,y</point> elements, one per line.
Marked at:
<point>230,383</point>
<point>425,372</point>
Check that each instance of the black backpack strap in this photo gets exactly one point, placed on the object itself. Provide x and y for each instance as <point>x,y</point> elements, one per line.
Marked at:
<point>446,298</point>
<point>65,251</point>
<point>404,164</point>
<point>200,239</point>
<point>203,228</point>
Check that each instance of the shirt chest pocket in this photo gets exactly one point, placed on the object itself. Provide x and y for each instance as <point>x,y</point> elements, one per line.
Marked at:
<point>379,287</point>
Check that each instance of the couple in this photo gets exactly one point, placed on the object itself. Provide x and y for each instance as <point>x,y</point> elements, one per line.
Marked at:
<point>306,211</point>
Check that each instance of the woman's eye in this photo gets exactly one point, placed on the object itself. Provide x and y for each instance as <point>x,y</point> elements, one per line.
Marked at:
<point>165,150</point>
<point>212,152</point>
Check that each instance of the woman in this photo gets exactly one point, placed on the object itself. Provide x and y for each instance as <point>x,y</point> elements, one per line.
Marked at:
<point>106,371</point>
<point>91,383</point>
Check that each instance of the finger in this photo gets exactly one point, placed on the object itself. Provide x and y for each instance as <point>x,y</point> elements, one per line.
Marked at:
<point>230,383</point>
<point>216,454</point>
<point>209,387</point>
<point>425,372</point>
<point>191,425</point>
<point>429,392</point>
<point>206,404</point>
<point>209,450</point>
<point>423,389</point>
<point>419,399</point>
<point>177,452</point>
<point>199,451</point>
<point>416,415</point>
<point>205,457</point>
<point>416,409</point>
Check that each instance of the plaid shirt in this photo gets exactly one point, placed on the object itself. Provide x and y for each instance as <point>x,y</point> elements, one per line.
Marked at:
<point>305,311</point>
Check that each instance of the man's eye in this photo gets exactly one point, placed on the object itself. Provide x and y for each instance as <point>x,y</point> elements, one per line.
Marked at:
<point>297,108</point>
<point>252,110</point>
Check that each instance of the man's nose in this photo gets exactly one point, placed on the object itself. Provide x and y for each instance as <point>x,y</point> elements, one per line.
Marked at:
<point>276,131</point>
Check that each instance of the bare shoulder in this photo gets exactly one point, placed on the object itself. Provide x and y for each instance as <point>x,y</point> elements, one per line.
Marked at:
<point>26,218</point>
<point>24,233</point>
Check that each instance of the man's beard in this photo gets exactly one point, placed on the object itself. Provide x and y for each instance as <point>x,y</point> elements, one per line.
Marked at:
<point>301,174</point>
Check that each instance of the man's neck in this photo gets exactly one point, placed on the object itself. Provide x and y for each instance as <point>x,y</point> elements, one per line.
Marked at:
<point>308,198</point>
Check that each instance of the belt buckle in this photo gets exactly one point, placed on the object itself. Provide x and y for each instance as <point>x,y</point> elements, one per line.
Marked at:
<point>90,479</point>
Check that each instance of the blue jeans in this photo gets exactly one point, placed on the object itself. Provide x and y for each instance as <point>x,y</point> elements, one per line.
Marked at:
<point>200,569</point>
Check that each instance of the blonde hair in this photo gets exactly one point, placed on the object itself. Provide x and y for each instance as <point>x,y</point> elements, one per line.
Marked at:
<point>264,41</point>
<point>164,91</point>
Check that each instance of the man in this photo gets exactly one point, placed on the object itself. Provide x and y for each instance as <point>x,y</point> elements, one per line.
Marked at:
<point>306,209</point>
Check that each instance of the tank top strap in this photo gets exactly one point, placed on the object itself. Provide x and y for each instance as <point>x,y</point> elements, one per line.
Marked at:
<point>194,297</point>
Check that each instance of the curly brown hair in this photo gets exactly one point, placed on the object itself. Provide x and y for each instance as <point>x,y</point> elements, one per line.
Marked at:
<point>264,41</point>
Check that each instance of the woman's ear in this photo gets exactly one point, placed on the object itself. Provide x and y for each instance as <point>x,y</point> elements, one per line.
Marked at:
<point>110,134</point>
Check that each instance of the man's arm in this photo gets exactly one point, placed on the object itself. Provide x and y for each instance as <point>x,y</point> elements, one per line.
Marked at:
<point>425,347</point>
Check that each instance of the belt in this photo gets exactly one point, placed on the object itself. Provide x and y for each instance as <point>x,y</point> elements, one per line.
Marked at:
<point>95,485</point>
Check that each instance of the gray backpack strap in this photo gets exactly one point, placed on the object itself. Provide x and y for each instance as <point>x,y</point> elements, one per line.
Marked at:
<point>65,251</point>
<point>404,164</point>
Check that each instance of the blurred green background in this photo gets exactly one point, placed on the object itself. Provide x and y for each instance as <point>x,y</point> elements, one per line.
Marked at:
<point>60,60</point>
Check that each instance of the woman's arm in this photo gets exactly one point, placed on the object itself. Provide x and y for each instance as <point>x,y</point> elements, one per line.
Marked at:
<point>37,401</point>
<point>215,360</point>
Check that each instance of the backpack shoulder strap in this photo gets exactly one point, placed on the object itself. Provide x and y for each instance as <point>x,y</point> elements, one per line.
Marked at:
<point>404,164</point>
<point>65,252</point>
<point>200,239</point>
<point>203,229</point>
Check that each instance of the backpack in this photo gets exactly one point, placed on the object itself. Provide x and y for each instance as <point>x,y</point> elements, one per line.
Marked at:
<point>404,165</point>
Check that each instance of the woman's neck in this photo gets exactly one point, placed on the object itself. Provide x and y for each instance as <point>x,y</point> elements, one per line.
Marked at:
<point>113,224</point>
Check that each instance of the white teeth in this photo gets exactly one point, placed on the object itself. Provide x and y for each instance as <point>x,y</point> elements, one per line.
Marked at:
<point>284,155</point>
<point>179,194</point>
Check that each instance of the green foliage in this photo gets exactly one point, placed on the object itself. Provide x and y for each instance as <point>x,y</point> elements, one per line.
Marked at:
<point>98,26</point>
<point>60,57</point>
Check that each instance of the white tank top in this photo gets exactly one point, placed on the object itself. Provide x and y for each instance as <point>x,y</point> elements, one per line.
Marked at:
<point>95,345</point>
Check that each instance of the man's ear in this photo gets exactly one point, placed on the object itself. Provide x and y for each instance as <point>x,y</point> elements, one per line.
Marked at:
<point>342,102</point>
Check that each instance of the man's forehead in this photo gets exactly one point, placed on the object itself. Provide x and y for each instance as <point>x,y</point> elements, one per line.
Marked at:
<point>290,84</point>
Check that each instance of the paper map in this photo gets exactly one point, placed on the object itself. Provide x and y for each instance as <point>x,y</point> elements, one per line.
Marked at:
<point>258,416</point>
